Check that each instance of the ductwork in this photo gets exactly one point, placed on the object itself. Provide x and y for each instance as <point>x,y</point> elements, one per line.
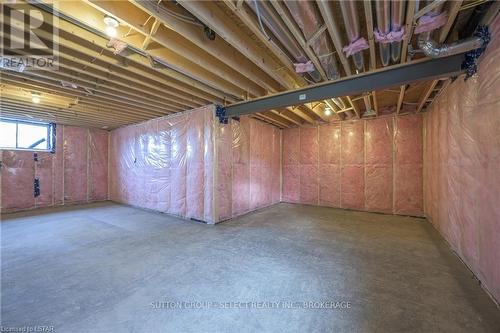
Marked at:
<point>383,10</point>
<point>351,22</point>
<point>432,49</point>
<point>309,20</point>
<point>265,13</point>
<point>397,15</point>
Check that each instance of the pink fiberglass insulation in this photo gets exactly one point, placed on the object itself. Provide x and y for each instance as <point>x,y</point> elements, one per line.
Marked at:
<point>75,150</point>
<point>329,165</point>
<point>357,165</point>
<point>224,188</point>
<point>178,171</point>
<point>241,166</point>
<point>58,166</point>
<point>352,185</point>
<point>462,159</point>
<point>249,167</point>
<point>76,173</point>
<point>291,165</point>
<point>379,166</point>
<point>309,157</point>
<point>98,165</point>
<point>256,163</point>
<point>408,197</point>
<point>44,172</point>
<point>192,166</point>
<point>18,172</point>
<point>195,166</point>
<point>352,171</point>
<point>166,164</point>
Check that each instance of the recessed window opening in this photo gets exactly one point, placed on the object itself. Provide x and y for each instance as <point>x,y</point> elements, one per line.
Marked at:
<point>26,135</point>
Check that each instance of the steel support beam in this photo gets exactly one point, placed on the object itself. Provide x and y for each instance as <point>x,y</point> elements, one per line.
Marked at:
<point>394,76</point>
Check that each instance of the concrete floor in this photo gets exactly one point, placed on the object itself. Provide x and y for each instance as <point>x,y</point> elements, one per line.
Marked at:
<point>108,268</point>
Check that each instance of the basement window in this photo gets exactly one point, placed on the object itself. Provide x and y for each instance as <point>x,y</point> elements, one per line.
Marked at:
<point>26,135</point>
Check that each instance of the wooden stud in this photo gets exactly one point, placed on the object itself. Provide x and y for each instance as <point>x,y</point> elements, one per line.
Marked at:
<point>354,107</point>
<point>375,102</point>
<point>400,98</point>
<point>331,24</point>
<point>425,95</point>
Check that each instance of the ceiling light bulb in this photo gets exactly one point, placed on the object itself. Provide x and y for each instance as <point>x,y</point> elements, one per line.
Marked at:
<point>35,97</point>
<point>110,31</point>
<point>110,21</point>
<point>328,111</point>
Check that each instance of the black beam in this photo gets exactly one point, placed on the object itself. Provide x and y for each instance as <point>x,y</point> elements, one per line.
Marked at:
<point>380,79</point>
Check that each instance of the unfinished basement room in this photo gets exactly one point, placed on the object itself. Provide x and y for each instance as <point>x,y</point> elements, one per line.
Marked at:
<point>250,166</point>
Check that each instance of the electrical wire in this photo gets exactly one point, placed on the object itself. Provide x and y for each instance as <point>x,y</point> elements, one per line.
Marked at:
<point>257,10</point>
<point>178,16</point>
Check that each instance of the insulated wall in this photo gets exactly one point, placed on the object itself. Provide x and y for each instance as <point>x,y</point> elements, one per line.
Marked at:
<point>191,165</point>
<point>249,169</point>
<point>76,173</point>
<point>166,164</point>
<point>462,167</point>
<point>373,165</point>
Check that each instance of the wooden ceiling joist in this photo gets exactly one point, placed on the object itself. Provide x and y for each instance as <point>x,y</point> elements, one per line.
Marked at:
<point>94,98</point>
<point>215,18</point>
<point>55,79</point>
<point>273,118</point>
<point>63,120</point>
<point>81,113</point>
<point>333,30</point>
<point>132,87</point>
<point>246,18</point>
<point>299,37</point>
<point>453,10</point>
<point>68,76</point>
<point>291,117</point>
<point>172,63</point>
<point>78,42</point>
<point>218,48</point>
<point>183,59</point>
<point>78,97</point>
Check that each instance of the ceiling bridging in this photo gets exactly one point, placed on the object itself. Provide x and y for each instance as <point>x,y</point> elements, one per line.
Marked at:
<point>123,62</point>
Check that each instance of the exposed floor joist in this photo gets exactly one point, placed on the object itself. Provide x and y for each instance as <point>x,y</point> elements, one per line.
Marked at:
<point>171,64</point>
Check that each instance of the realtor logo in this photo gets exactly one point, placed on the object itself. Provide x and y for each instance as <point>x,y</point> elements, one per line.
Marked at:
<point>29,37</point>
